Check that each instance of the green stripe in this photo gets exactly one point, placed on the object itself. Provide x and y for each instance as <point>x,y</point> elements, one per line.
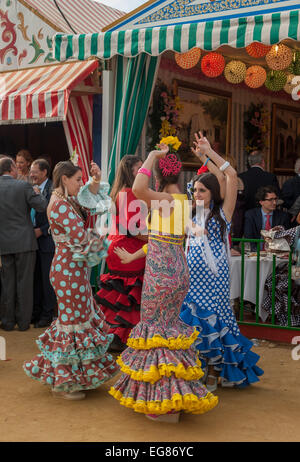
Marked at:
<point>118,89</point>
<point>224,31</point>
<point>193,36</point>
<point>177,38</point>
<point>241,33</point>
<point>294,22</point>
<point>69,50</point>
<point>121,42</point>
<point>208,35</point>
<point>274,34</point>
<point>57,47</point>
<point>162,39</point>
<point>81,41</point>
<point>259,22</point>
<point>135,42</point>
<point>94,44</point>
<point>148,41</point>
<point>107,45</point>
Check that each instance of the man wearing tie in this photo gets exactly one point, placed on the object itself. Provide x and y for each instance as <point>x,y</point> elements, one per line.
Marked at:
<point>44,295</point>
<point>266,216</point>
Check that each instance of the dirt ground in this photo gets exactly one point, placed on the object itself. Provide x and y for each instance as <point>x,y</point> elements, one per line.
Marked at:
<point>268,411</point>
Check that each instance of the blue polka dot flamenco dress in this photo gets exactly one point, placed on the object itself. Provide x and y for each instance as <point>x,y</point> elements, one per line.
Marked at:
<point>207,307</point>
<point>73,350</point>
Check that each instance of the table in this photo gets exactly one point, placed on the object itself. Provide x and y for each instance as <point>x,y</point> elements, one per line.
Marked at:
<point>266,266</point>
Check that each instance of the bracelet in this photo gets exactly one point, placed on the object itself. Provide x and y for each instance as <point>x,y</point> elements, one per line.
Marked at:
<point>224,166</point>
<point>95,181</point>
<point>145,171</point>
<point>206,162</point>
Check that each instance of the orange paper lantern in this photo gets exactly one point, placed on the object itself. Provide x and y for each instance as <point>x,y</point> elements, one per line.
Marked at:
<point>189,59</point>
<point>258,50</point>
<point>279,57</point>
<point>212,64</point>
<point>255,76</point>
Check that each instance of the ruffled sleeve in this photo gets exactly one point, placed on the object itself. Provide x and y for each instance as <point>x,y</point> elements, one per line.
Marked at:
<point>96,203</point>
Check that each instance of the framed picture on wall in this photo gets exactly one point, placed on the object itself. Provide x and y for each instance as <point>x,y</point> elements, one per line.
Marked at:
<point>204,109</point>
<point>285,145</point>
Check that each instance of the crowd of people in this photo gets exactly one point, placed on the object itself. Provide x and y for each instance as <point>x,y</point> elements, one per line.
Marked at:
<point>163,301</point>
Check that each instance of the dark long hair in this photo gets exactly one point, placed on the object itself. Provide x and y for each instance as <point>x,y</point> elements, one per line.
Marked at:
<point>124,176</point>
<point>66,168</point>
<point>210,181</point>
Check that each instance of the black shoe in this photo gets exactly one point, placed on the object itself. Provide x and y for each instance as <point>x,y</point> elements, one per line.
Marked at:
<point>22,329</point>
<point>43,323</point>
<point>7,328</point>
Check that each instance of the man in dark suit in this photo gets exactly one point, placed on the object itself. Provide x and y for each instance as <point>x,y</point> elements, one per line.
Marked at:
<point>266,216</point>
<point>255,178</point>
<point>17,246</point>
<point>44,295</point>
<point>291,188</point>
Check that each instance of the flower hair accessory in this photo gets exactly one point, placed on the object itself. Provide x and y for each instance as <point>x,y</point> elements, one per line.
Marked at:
<point>74,157</point>
<point>202,169</point>
<point>170,165</point>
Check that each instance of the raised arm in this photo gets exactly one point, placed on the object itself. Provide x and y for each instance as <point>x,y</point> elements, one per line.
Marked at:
<point>96,178</point>
<point>203,148</point>
<point>140,186</point>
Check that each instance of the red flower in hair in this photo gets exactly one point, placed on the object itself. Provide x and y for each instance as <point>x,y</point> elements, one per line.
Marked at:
<point>202,169</point>
<point>170,165</point>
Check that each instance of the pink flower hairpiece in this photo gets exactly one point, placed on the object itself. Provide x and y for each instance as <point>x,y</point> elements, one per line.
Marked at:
<point>170,165</point>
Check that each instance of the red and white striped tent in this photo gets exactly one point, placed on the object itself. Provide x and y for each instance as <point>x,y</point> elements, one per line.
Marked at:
<point>58,92</point>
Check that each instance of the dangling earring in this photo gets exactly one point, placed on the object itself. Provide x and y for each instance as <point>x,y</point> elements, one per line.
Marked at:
<point>66,192</point>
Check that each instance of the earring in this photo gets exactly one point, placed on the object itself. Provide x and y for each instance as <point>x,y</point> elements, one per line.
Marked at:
<point>66,192</point>
<point>211,205</point>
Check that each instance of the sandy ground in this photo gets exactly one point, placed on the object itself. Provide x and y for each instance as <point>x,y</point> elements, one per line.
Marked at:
<point>267,411</point>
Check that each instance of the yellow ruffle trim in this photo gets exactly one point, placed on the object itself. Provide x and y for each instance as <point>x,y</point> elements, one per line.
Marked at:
<point>157,341</point>
<point>155,373</point>
<point>188,403</point>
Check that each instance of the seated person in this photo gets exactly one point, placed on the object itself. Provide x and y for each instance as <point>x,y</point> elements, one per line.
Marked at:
<point>266,216</point>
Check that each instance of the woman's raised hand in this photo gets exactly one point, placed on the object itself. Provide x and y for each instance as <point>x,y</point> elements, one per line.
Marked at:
<point>161,152</point>
<point>202,145</point>
<point>95,171</point>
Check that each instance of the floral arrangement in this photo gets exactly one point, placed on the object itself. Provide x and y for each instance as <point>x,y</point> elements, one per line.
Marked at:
<point>170,118</point>
<point>256,127</point>
<point>171,141</point>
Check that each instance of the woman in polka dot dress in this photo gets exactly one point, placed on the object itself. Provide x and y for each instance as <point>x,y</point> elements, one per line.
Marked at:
<point>73,349</point>
<point>223,349</point>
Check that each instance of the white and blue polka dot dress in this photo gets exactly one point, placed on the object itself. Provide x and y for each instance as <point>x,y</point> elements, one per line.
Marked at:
<point>207,307</point>
<point>74,348</point>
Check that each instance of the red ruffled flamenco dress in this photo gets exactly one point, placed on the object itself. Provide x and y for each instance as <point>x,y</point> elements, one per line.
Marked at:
<point>120,294</point>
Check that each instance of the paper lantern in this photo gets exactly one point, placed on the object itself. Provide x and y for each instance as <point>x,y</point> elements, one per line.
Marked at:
<point>294,67</point>
<point>235,72</point>
<point>189,59</point>
<point>212,64</point>
<point>276,80</point>
<point>258,50</point>
<point>279,57</point>
<point>255,76</point>
<point>288,88</point>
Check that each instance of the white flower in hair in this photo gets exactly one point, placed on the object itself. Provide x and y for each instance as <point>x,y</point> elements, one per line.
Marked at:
<point>74,157</point>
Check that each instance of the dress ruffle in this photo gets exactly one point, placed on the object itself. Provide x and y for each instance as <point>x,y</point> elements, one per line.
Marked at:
<point>229,354</point>
<point>146,336</point>
<point>120,299</point>
<point>167,394</point>
<point>75,358</point>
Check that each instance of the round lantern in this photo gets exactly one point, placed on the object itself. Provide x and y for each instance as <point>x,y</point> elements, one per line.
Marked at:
<point>276,80</point>
<point>294,67</point>
<point>235,72</point>
<point>189,59</point>
<point>257,50</point>
<point>279,57</point>
<point>288,88</point>
<point>212,64</point>
<point>255,76</point>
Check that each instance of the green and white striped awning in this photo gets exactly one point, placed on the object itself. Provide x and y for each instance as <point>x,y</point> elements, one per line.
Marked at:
<point>236,32</point>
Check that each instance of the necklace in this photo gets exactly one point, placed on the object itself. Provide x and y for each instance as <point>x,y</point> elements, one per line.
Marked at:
<point>61,196</point>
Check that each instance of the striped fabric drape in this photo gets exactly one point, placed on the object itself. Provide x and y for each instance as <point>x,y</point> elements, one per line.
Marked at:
<point>209,35</point>
<point>135,79</point>
<point>79,131</point>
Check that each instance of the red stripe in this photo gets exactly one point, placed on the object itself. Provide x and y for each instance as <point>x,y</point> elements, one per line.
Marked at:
<point>29,107</point>
<point>41,105</point>
<point>54,103</point>
<point>17,107</point>
<point>4,111</point>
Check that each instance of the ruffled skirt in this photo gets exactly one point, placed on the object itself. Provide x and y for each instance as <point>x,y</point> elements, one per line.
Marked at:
<point>73,358</point>
<point>230,354</point>
<point>161,369</point>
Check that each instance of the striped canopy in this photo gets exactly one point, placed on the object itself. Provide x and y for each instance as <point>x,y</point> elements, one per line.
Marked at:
<point>236,32</point>
<point>40,94</point>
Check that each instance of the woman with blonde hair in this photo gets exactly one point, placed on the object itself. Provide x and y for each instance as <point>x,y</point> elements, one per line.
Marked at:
<point>23,163</point>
